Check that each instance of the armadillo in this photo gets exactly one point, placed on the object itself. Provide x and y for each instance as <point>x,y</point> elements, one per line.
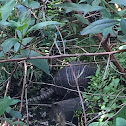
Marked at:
<point>65,78</point>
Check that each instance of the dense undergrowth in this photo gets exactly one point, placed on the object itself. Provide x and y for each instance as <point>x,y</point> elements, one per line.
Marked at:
<point>48,28</point>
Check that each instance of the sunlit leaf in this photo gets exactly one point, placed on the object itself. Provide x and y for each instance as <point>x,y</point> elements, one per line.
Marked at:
<point>43,24</point>
<point>98,26</point>
<point>22,27</point>
<point>122,47</point>
<point>7,8</point>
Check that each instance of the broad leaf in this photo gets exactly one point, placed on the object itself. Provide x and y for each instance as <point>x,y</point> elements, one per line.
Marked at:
<point>34,4</point>
<point>120,2</point>
<point>90,8</point>
<point>120,121</point>
<point>96,2</point>
<point>15,114</point>
<point>72,6</point>
<point>43,24</point>
<point>10,23</point>
<point>21,8</point>
<point>25,41</point>
<point>123,25</point>
<point>122,38</point>
<point>79,7</point>
<point>99,26</point>
<point>81,18</point>
<point>40,63</point>
<point>4,104</point>
<point>8,44</point>
<point>22,27</point>
<point>14,101</point>
<point>105,13</point>
<point>122,12</point>
<point>7,8</point>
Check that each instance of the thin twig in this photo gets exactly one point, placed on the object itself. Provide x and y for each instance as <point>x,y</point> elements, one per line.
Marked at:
<point>23,88</point>
<point>60,56</point>
<point>9,80</point>
<point>106,69</point>
<point>25,83</point>
<point>79,92</point>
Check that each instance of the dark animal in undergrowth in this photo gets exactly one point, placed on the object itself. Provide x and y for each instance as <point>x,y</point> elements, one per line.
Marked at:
<point>70,76</point>
<point>65,79</point>
<point>62,112</point>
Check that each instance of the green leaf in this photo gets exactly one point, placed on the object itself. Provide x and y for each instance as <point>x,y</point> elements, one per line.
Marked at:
<point>81,18</point>
<point>121,114</point>
<point>25,41</point>
<point>122,12</point>
<point>108,30</point>
<point>90,8</point>
<point>121,38</point>
<point>72,6</point>
<point>8,44</point>
<point>123,25</point>
<point>43,24</point>
<point>10,23</point>
<point>34,4</point>
<point>96,2</point>
<point>120,122</point>
<point>15,114</point>
<point>8,109</point>
<point>20,123</point>
<point>4,104</point>
<point>99,26</point>
<point>7,8</point>
<point>16,47</point>
<point>14,101</point>
<point>79,7</point>
<point>97,124</point>
<point>40,63</point>
<point>22,27</point>
<point>105,13</point>
<point>120,2</point>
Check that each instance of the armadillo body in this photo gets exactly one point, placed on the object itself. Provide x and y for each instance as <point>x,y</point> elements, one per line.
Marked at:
<point>67,75</point>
